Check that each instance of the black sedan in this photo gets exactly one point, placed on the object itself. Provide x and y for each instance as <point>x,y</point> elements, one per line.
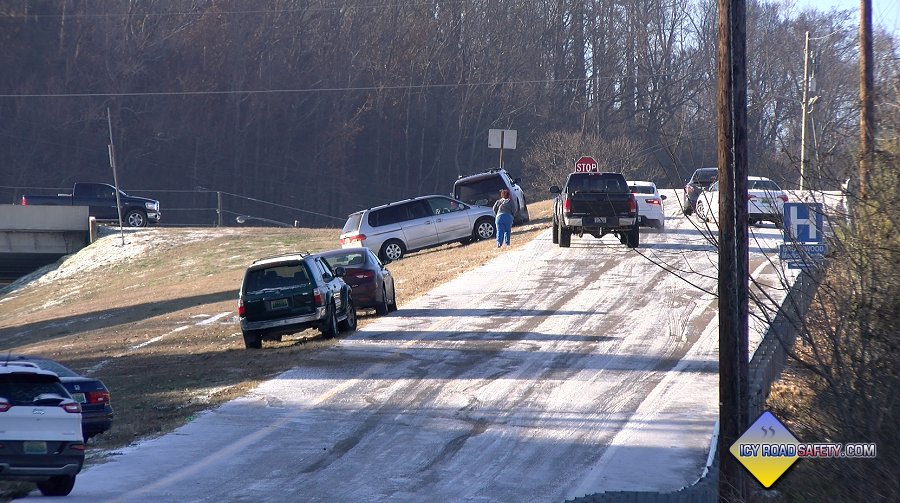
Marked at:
<point>370,281</point>
<point>90,392</point>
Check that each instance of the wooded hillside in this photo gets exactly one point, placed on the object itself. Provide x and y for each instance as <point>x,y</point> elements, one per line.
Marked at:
<point>333,106</point>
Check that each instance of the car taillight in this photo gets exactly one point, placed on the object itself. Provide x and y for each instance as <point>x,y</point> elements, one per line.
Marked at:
<point>783,198</point>
<point>653,201</point>
<point>632,203</point>
<point>77,447</point>
<point>73,408</point>
<point>97,396</point>
<point>5,407</point>
<point>567,205</point>
<point>358,238</point>
<point>24,202</point>
<point>364,274</point>
<point>242,311</point>
<point>317,296</point>
<point>750,197</point>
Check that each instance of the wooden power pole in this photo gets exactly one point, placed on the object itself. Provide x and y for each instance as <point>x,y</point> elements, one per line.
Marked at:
<point>866,97</point>
<point>733,244</point>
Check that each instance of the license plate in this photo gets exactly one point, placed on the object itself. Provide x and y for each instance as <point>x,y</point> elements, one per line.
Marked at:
<point>34,447</point>
<point>78,397</point>
<point>278,304</point>
<point>599,220</point>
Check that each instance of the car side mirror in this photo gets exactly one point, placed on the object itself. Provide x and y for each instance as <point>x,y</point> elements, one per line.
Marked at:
<point>663,197</point>
<point>339,271</point>
<point>554,189</point>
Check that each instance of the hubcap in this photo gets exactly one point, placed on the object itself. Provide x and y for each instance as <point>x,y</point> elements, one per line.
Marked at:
<point>135,220</point>
<point>393,251</point>
<point>485,230</point>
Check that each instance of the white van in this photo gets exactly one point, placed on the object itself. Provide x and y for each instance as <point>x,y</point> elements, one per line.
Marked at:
<point>483,189</point>
<point>394,229</point>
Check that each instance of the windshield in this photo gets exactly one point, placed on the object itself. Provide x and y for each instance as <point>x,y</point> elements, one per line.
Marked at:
<point>349,259</point>
<point>481,191</point>
<point>596,182</point>
<point>705,176</point>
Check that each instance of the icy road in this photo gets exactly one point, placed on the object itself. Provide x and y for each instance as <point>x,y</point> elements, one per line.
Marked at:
<point>546,374</point>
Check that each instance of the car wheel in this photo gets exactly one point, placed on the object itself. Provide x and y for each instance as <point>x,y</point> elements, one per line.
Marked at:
<point>382,307</point>
<point>565,237</point>
<point>136,218</point>
<point>252,340</point>
<point>659,225</point>
<point>555,232</point>
<point>348,324</point>
<point>484,229</point>
<point>61,485</point>
<point>329,327</point>
<point>633,238</point>
<point>393,304</point>
<point>392,250</point>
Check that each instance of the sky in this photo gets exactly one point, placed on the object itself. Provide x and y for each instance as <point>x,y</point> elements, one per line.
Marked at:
<point>884,12</point>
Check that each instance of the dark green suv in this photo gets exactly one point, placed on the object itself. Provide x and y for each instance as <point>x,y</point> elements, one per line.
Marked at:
<point>291,293</point>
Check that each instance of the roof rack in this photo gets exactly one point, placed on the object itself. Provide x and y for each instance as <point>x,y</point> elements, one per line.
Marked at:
<point>280,255</point>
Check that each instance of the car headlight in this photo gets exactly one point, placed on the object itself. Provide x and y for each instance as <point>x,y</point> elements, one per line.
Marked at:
<point>152,206</point>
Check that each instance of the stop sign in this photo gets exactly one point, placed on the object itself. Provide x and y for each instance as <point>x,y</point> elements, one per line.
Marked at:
<point>586,163</point>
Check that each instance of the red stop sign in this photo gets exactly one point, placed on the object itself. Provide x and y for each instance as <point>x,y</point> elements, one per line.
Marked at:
<point>586,163</point>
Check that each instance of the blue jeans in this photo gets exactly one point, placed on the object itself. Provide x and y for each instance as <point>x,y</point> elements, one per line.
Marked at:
<point>504,223</point>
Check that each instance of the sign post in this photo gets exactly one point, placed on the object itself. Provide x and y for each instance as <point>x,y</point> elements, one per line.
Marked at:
<point>586,163</point>
<point>502,138</point>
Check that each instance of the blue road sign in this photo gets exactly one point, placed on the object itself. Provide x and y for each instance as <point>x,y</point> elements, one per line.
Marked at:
<point>804,223</point>
<point>801,252</point>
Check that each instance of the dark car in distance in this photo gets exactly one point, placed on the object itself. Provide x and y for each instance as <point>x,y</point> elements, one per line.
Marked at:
<point>103,204</point>
<point>370,281</point>
<point>291,293</point>
<point>700,180</point>
<point>90,392</point>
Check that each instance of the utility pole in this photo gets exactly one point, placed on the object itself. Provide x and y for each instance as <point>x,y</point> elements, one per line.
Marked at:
<point>866,97</point>
<point>733,244</point>
<point>803,159</point>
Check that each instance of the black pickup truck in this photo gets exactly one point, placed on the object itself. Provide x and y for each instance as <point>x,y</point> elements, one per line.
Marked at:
<point>597,204</point>
<point>100,198</point>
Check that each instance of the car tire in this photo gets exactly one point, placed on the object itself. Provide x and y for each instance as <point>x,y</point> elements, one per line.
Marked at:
<point>565,237</point>
<point>348,324</point>
<point>659,225</point>
<point>383,307</point>
<point>136,218</point>
<point>484,229</point>
<point>60,485</point>
<point>329,326</point>
<point>392,250</point>
<point>252,340</point>
<point>555,232</point>
<point>393,304</point>
<point>633,237</point>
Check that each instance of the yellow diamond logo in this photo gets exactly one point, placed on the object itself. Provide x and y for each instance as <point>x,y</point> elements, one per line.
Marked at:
<point>767,449</point>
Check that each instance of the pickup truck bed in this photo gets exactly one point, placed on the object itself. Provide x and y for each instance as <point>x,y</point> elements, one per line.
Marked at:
<point>597,204</point>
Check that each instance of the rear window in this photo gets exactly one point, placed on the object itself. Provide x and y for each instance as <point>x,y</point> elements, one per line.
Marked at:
<point>479,191</point>
<point>22,389</point>
<point>705,176</point>
<point>278,276</point>
<point>352,224</point>
<point>641,189</point>
<point>767,185</point>
<point>346,259</point>
<point>596,182</point>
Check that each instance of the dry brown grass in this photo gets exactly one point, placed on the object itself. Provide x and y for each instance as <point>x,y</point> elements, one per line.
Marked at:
<point>97,322</point>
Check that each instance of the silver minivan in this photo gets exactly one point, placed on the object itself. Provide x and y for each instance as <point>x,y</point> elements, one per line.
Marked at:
<point>397,228</point>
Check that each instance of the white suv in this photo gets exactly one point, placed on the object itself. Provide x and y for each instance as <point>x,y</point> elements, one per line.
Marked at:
<point>40,430</point>
<point>483,189</point>
<point>394,229</point>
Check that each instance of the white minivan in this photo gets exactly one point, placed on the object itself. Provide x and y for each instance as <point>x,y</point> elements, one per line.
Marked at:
<point>394,229</point>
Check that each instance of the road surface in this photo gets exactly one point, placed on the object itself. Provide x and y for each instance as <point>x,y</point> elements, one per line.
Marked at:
<point>546,374</point>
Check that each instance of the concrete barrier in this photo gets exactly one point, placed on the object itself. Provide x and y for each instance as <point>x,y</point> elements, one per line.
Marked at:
<point>33,236</point>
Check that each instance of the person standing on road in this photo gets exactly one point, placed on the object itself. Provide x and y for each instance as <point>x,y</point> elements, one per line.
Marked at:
<point>503,208</point>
